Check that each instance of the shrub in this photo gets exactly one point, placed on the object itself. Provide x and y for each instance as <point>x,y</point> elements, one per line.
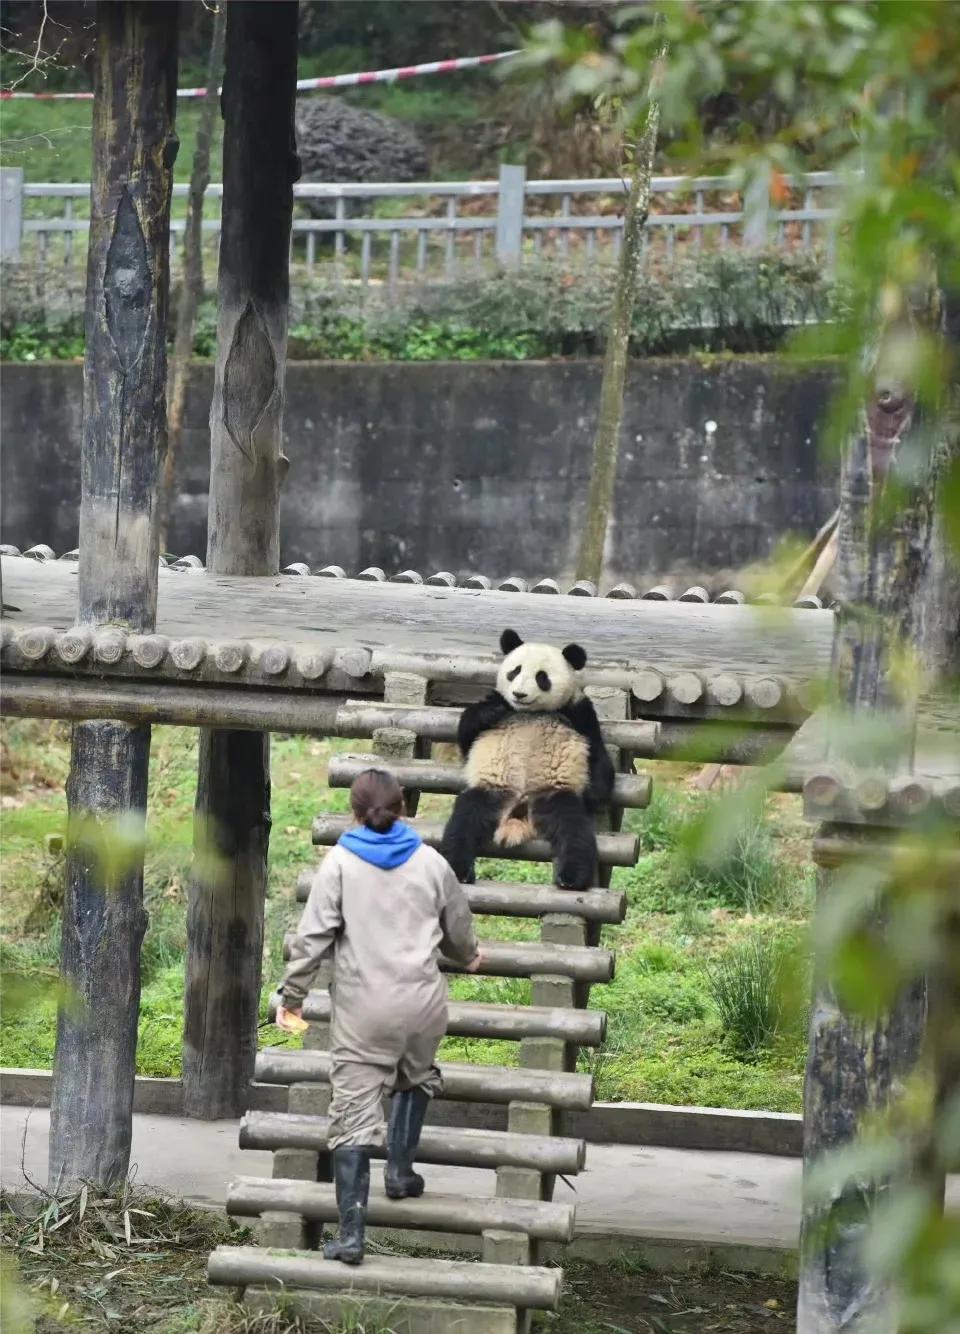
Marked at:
<point>748,875</point>
<point>713,302</point>
<point>756,988</point>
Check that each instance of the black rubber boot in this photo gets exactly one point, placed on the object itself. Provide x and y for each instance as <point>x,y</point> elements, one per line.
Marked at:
<point>351,1172</point>
<point>403,1136</point>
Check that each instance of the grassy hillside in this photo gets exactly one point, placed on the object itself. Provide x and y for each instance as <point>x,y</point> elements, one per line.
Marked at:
<point>685,1026</point>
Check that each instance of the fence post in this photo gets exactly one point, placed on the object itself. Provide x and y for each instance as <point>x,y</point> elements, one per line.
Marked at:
<point>510,202</point>
<point>11,211</point>
<point>756,213</point>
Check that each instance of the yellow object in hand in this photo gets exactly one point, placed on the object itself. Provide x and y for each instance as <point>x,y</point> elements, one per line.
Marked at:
<point>291,1021</point>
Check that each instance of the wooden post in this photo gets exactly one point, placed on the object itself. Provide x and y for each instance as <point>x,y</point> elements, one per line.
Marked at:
<point>134,148</point>
<point>888,573</point>
<point>225,921</point>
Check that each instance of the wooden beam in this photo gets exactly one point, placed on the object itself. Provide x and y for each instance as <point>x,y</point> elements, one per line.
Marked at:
<point>498,898</point>
<point>175,705</point>
<point>431,776</point>
<point>456,1280</point>
<point>451,1146</point>
<point>249,1196</point>
<point>461,1083</point>
<point>612,849</point>
<point>526,958</point>
<point>124,381</point>
<point>227,891</point>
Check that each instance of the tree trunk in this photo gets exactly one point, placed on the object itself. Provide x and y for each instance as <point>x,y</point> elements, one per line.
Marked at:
<point>260,165</point>
<point>606,441</point>
<point>889,570</point>
<point>191,284</point>
<point>134,147</point>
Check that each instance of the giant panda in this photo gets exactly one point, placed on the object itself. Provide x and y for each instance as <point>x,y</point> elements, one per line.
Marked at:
<point>535,764</point>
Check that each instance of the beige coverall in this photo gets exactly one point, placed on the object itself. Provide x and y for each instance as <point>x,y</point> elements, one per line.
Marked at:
<point>389,998</point>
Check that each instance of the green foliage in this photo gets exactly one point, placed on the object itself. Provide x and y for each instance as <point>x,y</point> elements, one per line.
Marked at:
<point>713,302</point>
<point>749,986</point>
<point>874,89</point>
<point>747,875</point>
<point>38,342</point>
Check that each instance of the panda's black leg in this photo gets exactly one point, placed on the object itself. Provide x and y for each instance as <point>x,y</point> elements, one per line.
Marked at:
<point>561,818</point>
<point>473,821</point>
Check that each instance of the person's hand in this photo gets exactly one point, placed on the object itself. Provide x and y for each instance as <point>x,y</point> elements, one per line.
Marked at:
<point>291,1021</point>
<point>475,963</point>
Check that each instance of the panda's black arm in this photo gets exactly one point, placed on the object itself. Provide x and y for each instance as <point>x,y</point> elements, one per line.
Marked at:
<point>583,716</point>
<point>480,717</point>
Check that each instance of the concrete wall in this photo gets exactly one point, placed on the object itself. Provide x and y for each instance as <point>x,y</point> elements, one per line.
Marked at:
<point>476,466</point>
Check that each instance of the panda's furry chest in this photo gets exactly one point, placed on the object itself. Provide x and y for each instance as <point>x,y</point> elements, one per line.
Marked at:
<point>528,753</point>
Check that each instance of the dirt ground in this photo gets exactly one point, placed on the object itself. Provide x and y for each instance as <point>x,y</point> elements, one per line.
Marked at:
<point>135,1262</point>
<point>624,1299</point>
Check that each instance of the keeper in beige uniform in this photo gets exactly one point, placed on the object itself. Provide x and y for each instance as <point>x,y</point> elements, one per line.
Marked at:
<point>388,907</point>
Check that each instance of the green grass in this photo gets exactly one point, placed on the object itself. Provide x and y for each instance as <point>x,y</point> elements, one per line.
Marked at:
<point>667,1039</point>
<point>51,140</point>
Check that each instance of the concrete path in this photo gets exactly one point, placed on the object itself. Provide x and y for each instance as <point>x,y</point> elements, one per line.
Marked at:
<point>677,1204</point>
<point>642,1193</point>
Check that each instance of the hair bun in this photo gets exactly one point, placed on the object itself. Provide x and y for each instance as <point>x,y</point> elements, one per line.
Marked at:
<point>380,819</point>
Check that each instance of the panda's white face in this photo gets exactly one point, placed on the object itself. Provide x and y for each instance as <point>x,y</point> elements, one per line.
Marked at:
<point>539,677</point>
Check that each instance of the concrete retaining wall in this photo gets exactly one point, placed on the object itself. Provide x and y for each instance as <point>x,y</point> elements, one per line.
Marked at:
<point>477,466</point>
<point>606,1123</point>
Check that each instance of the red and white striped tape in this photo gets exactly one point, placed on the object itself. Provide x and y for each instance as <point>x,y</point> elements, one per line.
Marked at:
<point>305,85</point>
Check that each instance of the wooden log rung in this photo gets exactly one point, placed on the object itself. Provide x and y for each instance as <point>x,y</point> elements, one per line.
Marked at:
<point>629,790</point>
<point>496,898</point>
<point>612,849</point>
<point>452,1146</point>
<point>461,1083</point>
<point>361,718</point>
<point>844,795</point>
<point>248,1197</point>
<point>477,1019</point>
<point>505,958</point>
<point>526,1286</point>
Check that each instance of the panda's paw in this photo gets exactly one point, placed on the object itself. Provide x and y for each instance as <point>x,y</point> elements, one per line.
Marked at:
<point>574,876</point>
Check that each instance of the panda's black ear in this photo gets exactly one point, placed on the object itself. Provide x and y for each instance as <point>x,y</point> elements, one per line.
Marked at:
<point>576,656</point>
<point>509,640</point>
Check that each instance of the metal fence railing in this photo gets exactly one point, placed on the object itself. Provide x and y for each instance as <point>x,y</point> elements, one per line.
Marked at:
<point>436,230</point>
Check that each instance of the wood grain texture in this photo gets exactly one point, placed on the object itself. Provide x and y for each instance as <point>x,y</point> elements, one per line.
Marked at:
<point>460,1280</point>
<point>225,922</point>
<point>124,423</point>
<point>103,922</point>
<point>317,614</point>
<point>890,584</point>
<point>225,936</point>
<point>454,1146</point>
<point>124,377</point>
<point>461,1082</point>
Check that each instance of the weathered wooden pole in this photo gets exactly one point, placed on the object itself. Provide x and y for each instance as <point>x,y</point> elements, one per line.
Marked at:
<point>134,148</point>
<point>225,921</point>
<point>888,570</point>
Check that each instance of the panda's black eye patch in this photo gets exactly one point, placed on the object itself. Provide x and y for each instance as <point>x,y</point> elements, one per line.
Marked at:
<point>512,676</point>
<point>543,681</point>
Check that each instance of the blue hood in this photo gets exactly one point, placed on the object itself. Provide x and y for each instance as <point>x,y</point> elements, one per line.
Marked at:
<point>386,851</point>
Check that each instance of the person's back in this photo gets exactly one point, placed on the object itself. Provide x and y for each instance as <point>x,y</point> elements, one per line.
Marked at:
<point>389,907</point>
<point>391,917</point>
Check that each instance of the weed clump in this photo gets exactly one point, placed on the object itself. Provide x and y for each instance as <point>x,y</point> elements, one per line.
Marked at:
<point>756,987</point>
